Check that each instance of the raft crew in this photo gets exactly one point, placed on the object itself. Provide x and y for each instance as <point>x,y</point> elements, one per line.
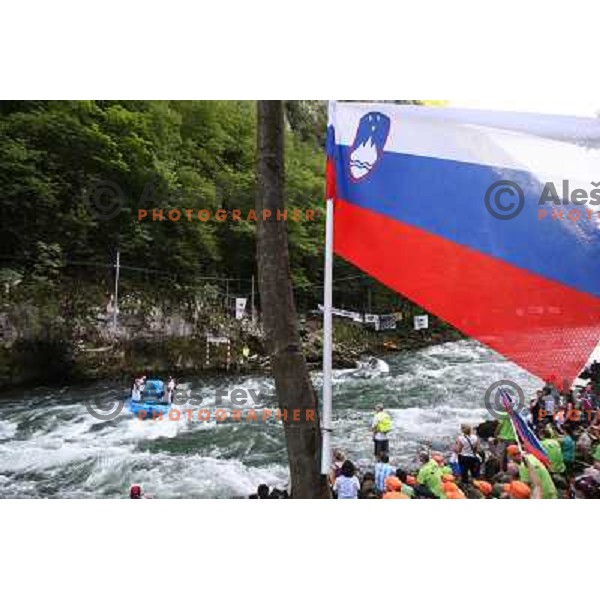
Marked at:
<point>171,385</point>
<point>138,388</point>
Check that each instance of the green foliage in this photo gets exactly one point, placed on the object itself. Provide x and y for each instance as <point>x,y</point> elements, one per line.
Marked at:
<point>160,154</point>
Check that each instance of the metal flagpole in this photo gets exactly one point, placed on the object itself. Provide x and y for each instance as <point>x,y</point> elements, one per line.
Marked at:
<point>327,340</point>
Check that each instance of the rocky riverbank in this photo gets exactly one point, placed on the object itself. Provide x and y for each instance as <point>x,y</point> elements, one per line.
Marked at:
<point>236,347</point>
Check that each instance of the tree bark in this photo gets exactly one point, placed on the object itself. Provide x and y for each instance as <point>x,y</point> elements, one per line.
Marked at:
<point>295,394</point>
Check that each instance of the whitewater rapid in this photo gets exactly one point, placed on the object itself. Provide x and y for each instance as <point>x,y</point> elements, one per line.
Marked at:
<point>52,447</point>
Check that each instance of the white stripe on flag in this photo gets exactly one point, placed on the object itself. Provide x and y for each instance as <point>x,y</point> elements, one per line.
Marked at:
<point>552,148</point>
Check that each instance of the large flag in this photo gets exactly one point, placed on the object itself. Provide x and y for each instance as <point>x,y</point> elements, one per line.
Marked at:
<point>489,220</point>
<point>529,440</point>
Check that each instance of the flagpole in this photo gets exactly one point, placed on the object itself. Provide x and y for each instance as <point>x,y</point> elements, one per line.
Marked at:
<point>327,341</point>
<point>516,435</point>
<point>513,423</point>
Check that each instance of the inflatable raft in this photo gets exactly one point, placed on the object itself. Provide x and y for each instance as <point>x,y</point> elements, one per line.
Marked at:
<point>153,401</point>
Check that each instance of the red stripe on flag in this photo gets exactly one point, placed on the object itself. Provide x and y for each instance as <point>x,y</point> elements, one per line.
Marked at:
<point>546,327</point>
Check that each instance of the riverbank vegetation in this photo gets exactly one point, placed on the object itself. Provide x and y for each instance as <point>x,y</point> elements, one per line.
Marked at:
<point>73,176</point>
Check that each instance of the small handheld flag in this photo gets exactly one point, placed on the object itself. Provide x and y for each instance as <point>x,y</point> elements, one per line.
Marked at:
<point>530,442</point>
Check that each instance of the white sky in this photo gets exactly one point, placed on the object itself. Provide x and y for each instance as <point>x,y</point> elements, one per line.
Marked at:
<point>582,107</point>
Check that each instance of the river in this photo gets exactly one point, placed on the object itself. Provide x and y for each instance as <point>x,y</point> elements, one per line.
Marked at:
<point>52,447</point>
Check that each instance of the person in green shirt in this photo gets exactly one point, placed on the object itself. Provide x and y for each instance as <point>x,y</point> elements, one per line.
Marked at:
<point>505,436</point>
<point>527,461</point>
<point>554,452</point>
<point>430,475</point>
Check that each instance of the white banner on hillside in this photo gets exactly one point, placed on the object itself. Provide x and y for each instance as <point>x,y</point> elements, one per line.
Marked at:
<point>348,314</point>
<point>421,322</point>
<point>240,307</point>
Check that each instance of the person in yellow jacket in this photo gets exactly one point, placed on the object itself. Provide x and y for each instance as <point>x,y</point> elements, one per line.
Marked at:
<point>381,427</point>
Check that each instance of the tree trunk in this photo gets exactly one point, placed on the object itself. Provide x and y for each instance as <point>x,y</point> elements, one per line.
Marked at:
<point>295,394</point>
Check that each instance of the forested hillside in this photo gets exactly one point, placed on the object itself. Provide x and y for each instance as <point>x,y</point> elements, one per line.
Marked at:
<point>187,155</point>
<point>166,154</point>
<point>59,237</point>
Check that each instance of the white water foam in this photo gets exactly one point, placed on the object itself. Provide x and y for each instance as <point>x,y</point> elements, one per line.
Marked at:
<point>50,446</point>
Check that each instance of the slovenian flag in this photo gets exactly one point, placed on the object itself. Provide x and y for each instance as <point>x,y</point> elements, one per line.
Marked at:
<point>529,440</point>
<point>489,220</point>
